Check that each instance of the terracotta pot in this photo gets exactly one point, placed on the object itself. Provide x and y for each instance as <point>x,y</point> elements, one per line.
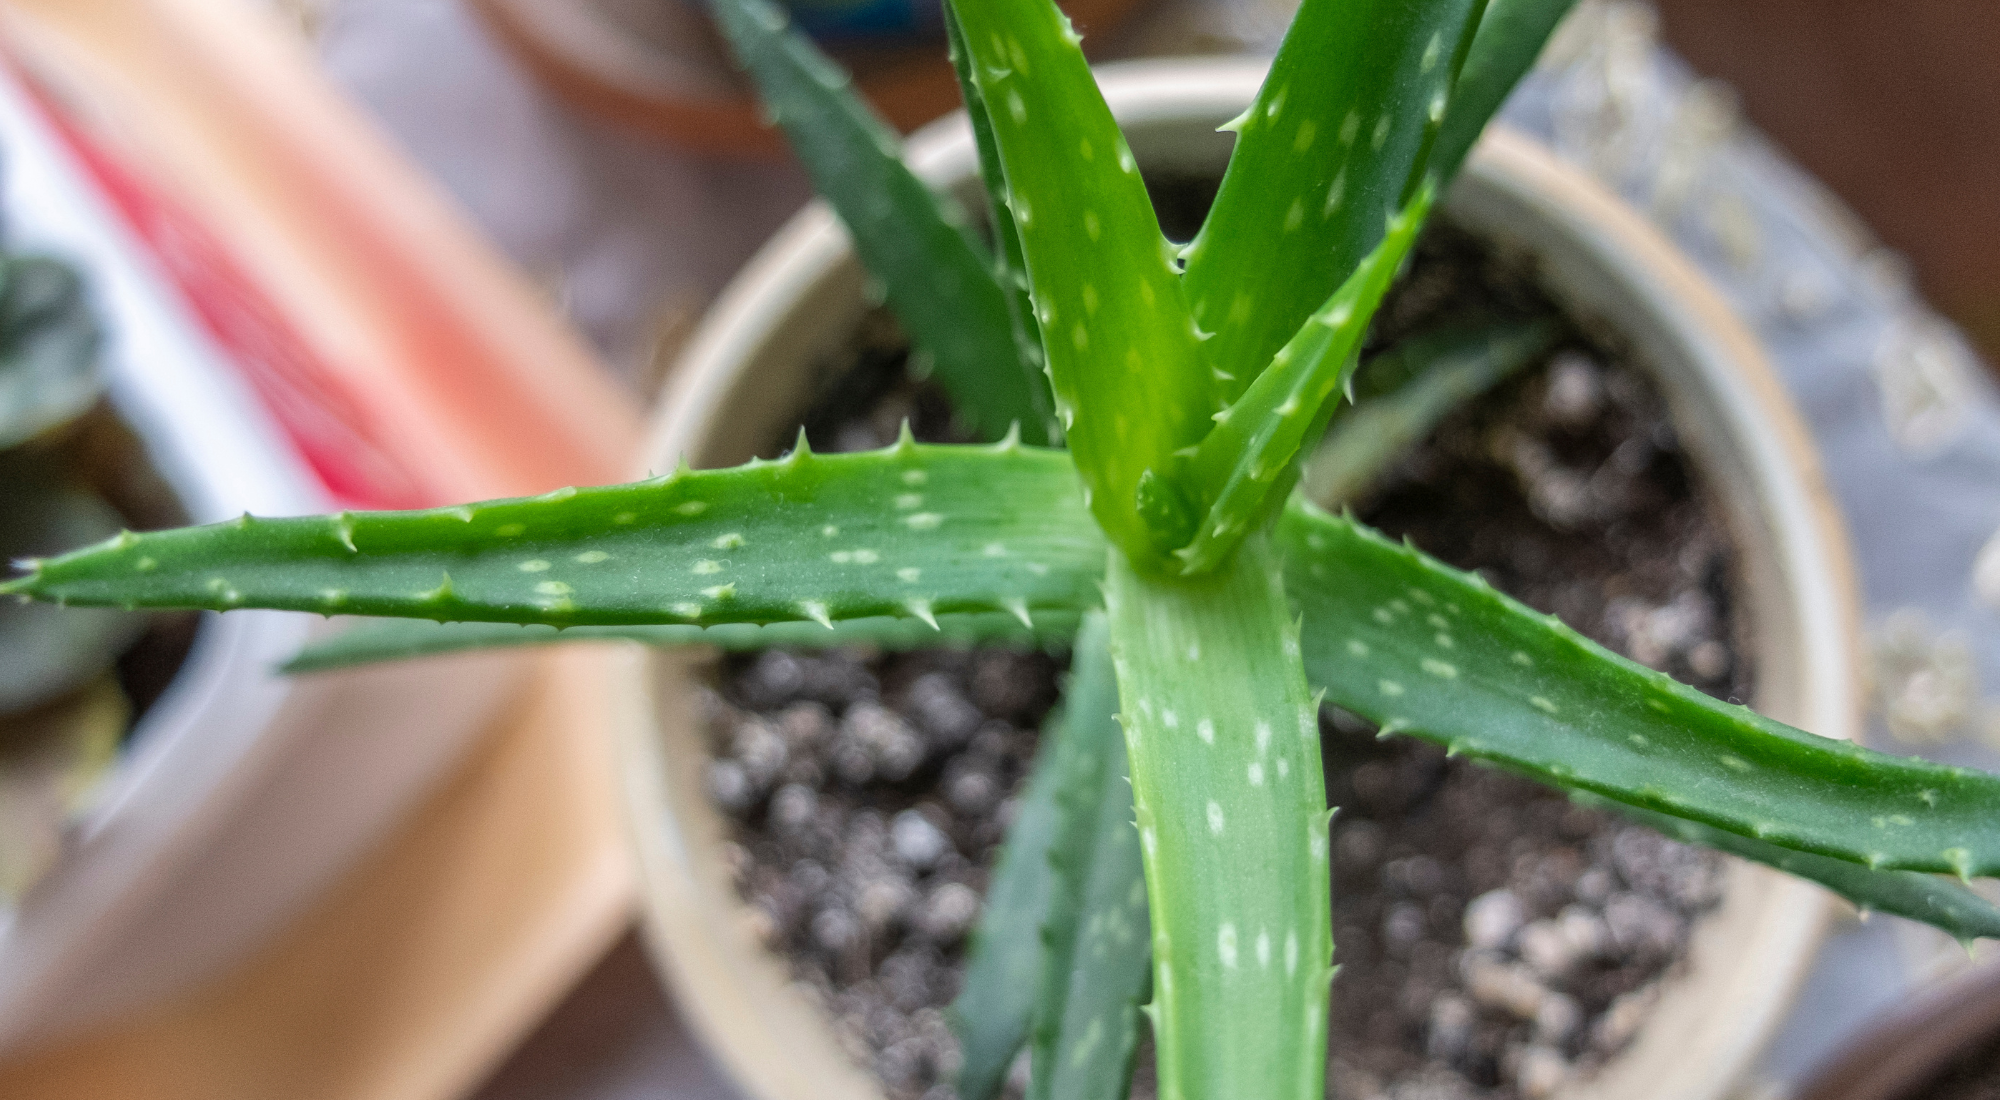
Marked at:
<point>748,373</point>
<point>1903,1058</point>
<point>658,67</point>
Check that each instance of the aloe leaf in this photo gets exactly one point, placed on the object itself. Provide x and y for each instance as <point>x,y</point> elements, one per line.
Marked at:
<point>1223,738</point>
<point>1444,369</point>
<point>908,238</point>
<point>1425,650</point>
<point>910,530</point>
<point>1097,951</point>
<point>46,652</point>
<point>48,348</point>
<point>375,640</point>
<point>995,1007</point>
<point>1129,383</point>
<point>1511,35</point>
<point>1246,463</point>
<point>1010,269</point>
<point>1333,146</point>
<point>1938,902</point>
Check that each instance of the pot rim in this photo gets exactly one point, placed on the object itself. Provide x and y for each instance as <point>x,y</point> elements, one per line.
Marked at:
<point>1733,412</point>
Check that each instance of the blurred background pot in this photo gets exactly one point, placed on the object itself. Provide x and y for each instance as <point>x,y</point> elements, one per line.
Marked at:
<point>749,372</point>
<point>658,67</point>
<point>1941,1041</point>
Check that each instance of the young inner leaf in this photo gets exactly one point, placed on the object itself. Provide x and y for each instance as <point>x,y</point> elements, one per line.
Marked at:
<point>1129,384</point>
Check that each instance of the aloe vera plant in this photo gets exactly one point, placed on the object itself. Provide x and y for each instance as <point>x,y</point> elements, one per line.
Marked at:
<point>1146,412</point>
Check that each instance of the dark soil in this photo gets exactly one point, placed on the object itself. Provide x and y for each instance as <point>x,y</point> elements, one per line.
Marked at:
<point>1494,940</point>
<point>1976,1076</point>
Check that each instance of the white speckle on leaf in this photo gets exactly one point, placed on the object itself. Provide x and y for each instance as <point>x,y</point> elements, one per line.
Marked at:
<point>1542,704</point>
<point>1444,670</point>
<point>1291,953</point>
<point>706,566</point>
<point>923,521</point>
<point>720,592</point>
<point>1390,688</point>
<point>1263,949</point>
<point>533,565</point>
<point>909,574</point>
<point>1256,773</point>
<point>1017,107</point>
<point>1357,647</point>
<point>1225,944</point>
<point>625,518</point>
<point>1215,822</point>
<point>731,541</point>
<point>829,531</point>
<point>591,557</point>
<point>1205,729</point>
<point>1262,732</point>
<point>691,507</point>
<point>907,501</point>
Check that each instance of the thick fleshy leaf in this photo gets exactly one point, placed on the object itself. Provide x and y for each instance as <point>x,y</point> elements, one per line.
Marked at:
<point>1425,650</point>
<point>1939,902</point>
<point>1243,468</point>
<point>48,347</point>
<point>1129,382</point>
<point>374,640</point>
<point>1441,371</point>
<point>1098,952</point>
<point>1010,269</point>
<point>1333,147</point>
<point>995,1009</point>
<point>910,240</point>
<point>46,652</point>
<point>1223,738</point>
<point>910,530</point>
<point>1511,35</point>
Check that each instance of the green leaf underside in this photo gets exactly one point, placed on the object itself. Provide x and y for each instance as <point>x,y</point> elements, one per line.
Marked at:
<point>48,347</point>
<point>1330,150</point>
<point>1098,955</point>
<point>1248,458</point>
<point>1010,270</point>
<point>1122,353</point>
<point>376,640</point>
<point>994,1011</point>
<point>909,239</point>
<point>1936,901</point>
<point>1422,649</point>
<point>1511,35</point>
<point>910,531</point>
<point>1444,370</point>
<point>1693,757</point>
<point>1223,739</point>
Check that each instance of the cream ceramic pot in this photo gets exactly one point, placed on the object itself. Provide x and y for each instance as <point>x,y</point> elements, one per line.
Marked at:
<point>750,370</point>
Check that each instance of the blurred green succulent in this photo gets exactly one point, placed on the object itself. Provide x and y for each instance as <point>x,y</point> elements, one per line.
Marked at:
<point>62,711</point>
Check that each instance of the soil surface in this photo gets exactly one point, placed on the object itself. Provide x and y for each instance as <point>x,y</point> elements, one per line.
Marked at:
<point>1975,1077</point>
<point>1493,940</point>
